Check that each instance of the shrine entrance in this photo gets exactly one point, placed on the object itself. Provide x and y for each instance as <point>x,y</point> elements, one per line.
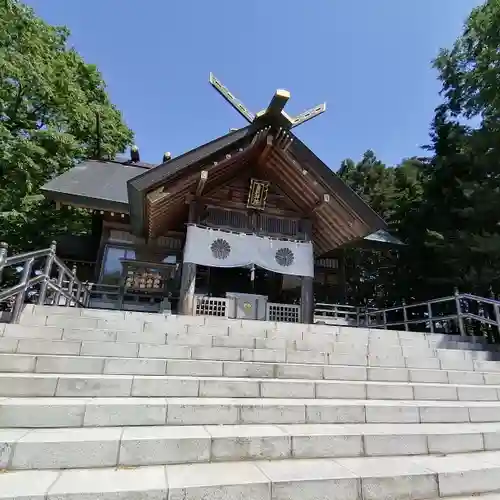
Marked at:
<point>217,281</point>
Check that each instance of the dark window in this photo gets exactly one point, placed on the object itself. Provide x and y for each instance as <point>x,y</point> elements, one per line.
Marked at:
<point>112,267</point>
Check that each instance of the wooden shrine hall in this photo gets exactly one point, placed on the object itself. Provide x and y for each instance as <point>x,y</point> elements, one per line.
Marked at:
<point>249,225</point>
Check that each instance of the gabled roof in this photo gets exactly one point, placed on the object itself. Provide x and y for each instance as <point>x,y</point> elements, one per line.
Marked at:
<point>139,186</point>
<point>101,185</point>
<point>340,214</point>
<point>156,196</point>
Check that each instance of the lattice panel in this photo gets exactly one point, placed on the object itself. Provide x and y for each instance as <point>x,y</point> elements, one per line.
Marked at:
<point>211,306</point>
<point>283,312</point>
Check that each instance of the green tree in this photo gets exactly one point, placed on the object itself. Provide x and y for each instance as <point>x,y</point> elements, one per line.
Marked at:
<point>463,182</point>
<point>49,100</point>
<point>444,207</point>
<point>470,70</point>
<point>376,277</point>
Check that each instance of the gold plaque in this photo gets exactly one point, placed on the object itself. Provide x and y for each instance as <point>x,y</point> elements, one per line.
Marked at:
<point>258,194</point>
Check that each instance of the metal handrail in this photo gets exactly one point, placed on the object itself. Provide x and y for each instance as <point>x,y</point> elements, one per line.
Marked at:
<point>460,314</point>
<point>74,292</point>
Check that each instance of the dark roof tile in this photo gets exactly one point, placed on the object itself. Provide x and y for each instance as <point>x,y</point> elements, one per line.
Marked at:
<point>93,182</point>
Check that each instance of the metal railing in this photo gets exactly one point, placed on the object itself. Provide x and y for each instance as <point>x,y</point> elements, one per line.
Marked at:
<point>42,273</point>
<point>337,314</point>
<point>461,313</point>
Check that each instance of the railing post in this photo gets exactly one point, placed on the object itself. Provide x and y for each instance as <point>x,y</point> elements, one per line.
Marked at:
<point>47,270</point>
<point>60,278</point>
<point>367,318</point>
<point>3,257</point>
<point>71,284</point>
<point>431,321</point>
<point>384,319</point>
<point>497,316</point>
<point>459,313</point>
<point>87,294</point>
<point>405,315</point>
<point>18,305</point>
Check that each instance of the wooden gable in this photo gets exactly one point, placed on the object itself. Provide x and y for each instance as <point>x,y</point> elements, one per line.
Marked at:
<point>234,194</point>
<point>301,186</point>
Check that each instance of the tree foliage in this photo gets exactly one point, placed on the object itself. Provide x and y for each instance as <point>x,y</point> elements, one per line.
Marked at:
<point>445,206</point>
<point>49,99</point>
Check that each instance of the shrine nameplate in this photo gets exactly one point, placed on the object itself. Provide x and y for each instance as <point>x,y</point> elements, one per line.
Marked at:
<point>258,194</point>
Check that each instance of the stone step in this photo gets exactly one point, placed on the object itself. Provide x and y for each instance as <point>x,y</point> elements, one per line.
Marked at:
<point>485,496</point>
<point>50,412</point>
<point>125,318</point>
<point>40,363</point>
<point>87,385</point>
<point>37,315</point>
<point>363,478</point>
<point>162,445</point>
<point>432,359</point>
<point>374,341</point>
<point>139,322</point>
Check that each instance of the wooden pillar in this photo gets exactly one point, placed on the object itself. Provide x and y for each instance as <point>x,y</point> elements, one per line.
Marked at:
<point>188,278</point>
<point>188,282</point>
<point>306,300</point>
<point>307,282</point>
<point>342,276</point>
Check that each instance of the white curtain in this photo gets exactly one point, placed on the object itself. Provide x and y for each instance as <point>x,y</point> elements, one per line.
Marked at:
<point>210,247</point>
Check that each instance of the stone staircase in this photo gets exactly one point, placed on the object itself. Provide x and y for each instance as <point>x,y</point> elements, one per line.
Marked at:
<point>114,405</point>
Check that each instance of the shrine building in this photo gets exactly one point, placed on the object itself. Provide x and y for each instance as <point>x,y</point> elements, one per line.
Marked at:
<point>250,225</point>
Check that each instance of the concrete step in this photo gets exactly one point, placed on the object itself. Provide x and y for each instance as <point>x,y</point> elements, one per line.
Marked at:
<point>369,478</point>
<point>431,359</point>
<point>50,412</point>
<point>87,385</point>
<point>40,363</point>
<point>162,445</point>
<point>139,322</point>
<point>193,408</point>
<point>244,337</point>
<point>125,317</point>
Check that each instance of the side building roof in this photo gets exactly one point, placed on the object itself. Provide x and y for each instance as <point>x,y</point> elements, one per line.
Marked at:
<point>101,185</point>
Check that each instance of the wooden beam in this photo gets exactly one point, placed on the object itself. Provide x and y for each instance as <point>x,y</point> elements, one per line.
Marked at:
<point>321,204</point>
<point>231,99</point>
<point>308,115</point>
<point>202,182</point>
<point>278,102</point>
<point>266,151</point>
<point>157,194</point>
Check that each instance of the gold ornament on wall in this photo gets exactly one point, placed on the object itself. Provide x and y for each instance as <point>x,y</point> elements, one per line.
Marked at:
<point>257,195</point>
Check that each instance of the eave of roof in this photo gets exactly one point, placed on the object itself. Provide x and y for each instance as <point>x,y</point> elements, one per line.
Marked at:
<point>101,185</point>
<point>139,186</point>
<point>300,154</point>
<point>378,240</point>
<point>333,182</point>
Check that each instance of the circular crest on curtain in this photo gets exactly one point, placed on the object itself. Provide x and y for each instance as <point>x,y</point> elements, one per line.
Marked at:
<point>284,257</point>
<point>220,249</point>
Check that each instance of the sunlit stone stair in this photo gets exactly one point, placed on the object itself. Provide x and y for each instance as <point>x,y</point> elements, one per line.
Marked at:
<point>112,405</point>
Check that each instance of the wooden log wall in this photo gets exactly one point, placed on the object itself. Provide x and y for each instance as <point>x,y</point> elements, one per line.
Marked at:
<point>234,194</point>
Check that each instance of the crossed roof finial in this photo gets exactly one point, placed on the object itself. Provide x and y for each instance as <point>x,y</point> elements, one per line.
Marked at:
<point>274,112</point>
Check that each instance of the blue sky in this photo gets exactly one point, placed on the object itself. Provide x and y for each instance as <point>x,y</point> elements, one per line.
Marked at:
<point>368,59</point>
